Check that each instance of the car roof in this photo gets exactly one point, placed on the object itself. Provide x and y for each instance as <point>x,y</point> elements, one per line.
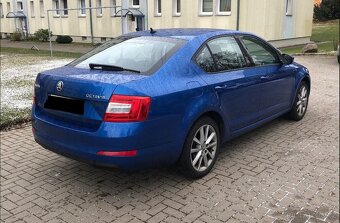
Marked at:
<point>183,33</point>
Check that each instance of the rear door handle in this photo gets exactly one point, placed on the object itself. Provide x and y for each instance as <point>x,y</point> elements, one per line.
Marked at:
<point>221,87</point>
<point>226,86</point>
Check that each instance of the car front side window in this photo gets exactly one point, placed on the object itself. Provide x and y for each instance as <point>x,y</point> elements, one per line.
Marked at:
<point>259,52</point>
<point>227,53</point>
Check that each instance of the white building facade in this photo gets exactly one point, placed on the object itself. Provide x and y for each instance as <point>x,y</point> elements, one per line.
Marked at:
<point>284,22</point>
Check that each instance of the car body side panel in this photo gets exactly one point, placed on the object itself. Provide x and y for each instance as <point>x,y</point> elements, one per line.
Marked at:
<point>179,96</point>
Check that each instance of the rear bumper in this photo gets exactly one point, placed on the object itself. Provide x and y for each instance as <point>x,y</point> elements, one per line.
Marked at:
<point>152,151</point>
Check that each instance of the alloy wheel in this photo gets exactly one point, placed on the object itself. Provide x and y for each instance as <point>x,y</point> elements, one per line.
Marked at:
<point>301,104</point>
<point>203,148</point>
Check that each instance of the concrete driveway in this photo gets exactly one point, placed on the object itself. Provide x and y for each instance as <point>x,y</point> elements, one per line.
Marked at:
<point>282,172</point>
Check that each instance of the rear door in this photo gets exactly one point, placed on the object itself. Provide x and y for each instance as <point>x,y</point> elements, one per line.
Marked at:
<point>277,83</point>
<point>227,74</point>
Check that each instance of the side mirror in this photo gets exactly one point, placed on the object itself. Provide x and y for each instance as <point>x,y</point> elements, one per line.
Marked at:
<point>287,59</point>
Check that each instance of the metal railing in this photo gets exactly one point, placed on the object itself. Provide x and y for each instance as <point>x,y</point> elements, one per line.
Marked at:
<point>59,11</point>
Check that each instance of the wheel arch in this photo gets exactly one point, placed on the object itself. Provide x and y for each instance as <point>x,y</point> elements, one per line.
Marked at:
<point>217,117</point>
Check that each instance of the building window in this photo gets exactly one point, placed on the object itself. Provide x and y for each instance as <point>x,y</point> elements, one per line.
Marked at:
<point>81,5</point>
<point>206,7</point>
<point>55,6</point>
<point>158,7</point>
<point>223,7</point>
<point>19,6</point>
<point>42,10</point>
<point>289,7</point>
<point>135,3</point>
<point>1,11</point>
<point>113,10</point>
<point>32,9</point>
<point>64,6</point>
<point>83,38</point>
<point>8,7</point>
<point>176,7</point>
<point>99,10</point>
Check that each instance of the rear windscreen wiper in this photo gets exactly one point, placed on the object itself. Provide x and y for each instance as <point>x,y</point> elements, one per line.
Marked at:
<point>110,68</point>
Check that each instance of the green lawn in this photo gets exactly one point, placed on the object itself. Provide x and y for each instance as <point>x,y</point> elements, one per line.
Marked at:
<point>43,53</point>
<point>323,34</point>
<point>322,47</point>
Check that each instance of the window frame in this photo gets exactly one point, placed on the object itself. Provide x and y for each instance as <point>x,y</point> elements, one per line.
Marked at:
<point>113,11</point>
<point>218,12</point>
<point>2,15</point>
<point>175,7</point>
<point>42,9</point>
<point>265,45</point>
<point>200,9</point>
<point>56,6</point>
<point>32,9</point>
<point>21,6</point>
<point>135,6</point>
<point>81,14</point>
<point>99,11</point>
<point>157,13</point>
<point>63,9</point>
<point>205,43</point>
<point>8,6</point>
<point>289,7</point>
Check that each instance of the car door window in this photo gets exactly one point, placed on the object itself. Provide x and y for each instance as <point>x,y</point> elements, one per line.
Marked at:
<point>205,60</point>
<point>227,53</point>
<point>259,51</point>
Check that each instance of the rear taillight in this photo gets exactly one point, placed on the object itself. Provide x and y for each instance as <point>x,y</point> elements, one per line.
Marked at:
<point>124,108</point>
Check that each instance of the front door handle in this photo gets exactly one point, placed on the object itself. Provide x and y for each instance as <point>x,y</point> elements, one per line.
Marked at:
<point>266,77</point>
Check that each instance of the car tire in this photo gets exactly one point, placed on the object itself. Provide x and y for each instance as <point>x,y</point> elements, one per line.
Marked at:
<point>201,148</point>
<point>300,105</point>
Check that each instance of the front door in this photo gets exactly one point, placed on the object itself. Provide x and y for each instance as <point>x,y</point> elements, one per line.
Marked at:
<point>278,82</point>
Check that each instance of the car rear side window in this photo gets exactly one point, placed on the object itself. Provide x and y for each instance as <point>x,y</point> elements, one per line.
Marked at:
<point>259,51</point>
<point>227,53</point>
<point>205,60</point>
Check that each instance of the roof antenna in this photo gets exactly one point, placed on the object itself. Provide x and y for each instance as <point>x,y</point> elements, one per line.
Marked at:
<point>152,31</point>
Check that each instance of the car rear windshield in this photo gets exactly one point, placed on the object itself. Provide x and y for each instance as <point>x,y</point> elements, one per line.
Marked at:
<point>144,54</point>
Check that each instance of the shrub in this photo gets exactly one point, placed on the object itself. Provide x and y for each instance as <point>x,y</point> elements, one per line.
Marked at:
<point>41,35</point>
<point>327,10</point>
<point>16,36</point>
<point>64,39</point>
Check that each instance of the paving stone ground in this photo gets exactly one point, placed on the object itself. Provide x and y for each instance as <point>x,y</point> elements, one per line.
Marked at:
<point>282,172</point>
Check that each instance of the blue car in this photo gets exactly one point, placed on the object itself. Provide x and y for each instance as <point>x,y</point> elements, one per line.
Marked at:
<point>169,96</point>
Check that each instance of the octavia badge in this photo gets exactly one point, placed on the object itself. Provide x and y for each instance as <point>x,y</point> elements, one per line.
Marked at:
<point>60,85</point>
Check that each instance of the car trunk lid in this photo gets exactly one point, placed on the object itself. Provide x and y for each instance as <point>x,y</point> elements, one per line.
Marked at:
<point>77,97</point>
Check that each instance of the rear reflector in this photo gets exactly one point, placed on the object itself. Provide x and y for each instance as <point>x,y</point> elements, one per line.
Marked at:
<point>125,108</point>
<point>120,153</point>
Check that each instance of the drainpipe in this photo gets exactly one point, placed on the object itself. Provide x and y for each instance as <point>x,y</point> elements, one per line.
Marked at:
<point>146,16</point>
<point>91,23</point>
<point>238,15</point>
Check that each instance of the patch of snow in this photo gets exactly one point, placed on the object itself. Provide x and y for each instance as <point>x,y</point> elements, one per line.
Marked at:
<point>18,73</point>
